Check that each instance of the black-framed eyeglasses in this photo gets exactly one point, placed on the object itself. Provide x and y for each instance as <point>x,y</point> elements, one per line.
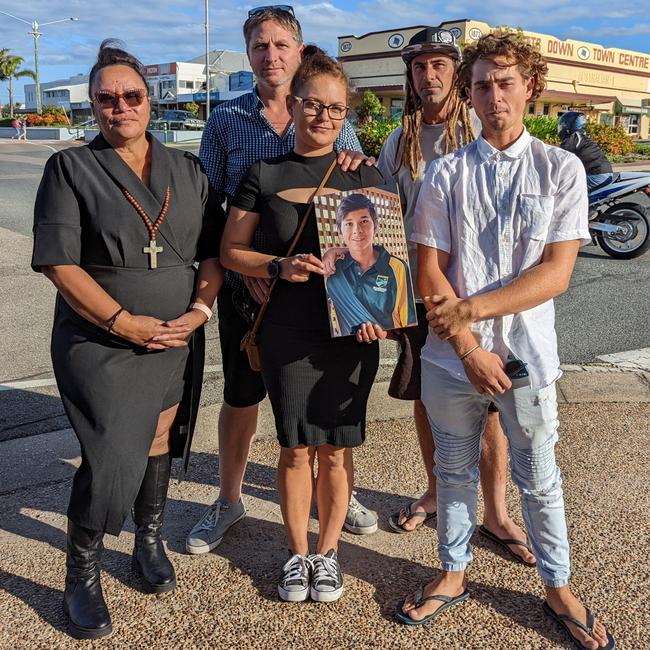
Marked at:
<point>259,10</point>
<point>132,98</point>
<point>311,108</point>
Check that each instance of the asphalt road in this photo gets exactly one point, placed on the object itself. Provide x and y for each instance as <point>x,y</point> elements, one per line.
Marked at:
<point>606,310</point>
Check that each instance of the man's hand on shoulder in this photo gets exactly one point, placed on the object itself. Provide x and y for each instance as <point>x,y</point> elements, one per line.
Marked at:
<point>350,160</point>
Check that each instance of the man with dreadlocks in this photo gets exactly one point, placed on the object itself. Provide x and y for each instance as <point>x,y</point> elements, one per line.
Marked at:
<point>436,122</point>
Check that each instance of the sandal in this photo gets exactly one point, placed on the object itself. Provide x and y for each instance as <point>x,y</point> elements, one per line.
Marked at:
<point>504,542</point>
<point>393,521</point>
<point>562,619</point>
<point>448,601</point>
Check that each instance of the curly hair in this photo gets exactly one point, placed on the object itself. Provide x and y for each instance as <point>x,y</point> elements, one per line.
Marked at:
<point>410,153</point>
<point>512,45</point>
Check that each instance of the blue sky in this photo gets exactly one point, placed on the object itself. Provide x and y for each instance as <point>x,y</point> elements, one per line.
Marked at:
<point>157,31</point>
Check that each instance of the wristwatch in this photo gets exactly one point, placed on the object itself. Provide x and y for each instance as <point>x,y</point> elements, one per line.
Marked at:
<point>273,267</point>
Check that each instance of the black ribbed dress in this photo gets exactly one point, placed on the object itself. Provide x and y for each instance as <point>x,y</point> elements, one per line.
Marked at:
<point>318,385</point>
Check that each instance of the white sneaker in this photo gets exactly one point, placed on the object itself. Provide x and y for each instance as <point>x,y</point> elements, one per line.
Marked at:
<point>294,582</point>
<point>326,577</point>
<point>213,525</point>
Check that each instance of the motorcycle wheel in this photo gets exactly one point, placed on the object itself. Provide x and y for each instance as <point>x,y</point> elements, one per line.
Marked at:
<point>634,241</point>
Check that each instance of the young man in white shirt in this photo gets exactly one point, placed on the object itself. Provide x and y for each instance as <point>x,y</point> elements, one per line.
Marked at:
<point>436,121</point>
<point>498,226</point>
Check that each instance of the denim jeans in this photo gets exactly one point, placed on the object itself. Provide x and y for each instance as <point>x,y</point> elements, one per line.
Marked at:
<point>457,413</point>
<point>594,180</point>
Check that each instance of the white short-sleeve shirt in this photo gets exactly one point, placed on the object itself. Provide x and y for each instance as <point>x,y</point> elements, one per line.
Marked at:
<point>493,212</point>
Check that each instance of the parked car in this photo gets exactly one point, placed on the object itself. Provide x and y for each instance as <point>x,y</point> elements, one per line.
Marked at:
<point>178,120</point>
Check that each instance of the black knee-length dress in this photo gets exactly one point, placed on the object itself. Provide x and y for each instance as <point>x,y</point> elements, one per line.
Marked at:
<point>112,390</point>
<point>318,385</point>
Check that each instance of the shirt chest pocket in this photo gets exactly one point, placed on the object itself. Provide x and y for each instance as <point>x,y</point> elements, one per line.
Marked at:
<point>535,211</point>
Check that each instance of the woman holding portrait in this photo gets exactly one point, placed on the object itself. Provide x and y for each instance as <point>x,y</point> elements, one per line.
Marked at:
<point>119,226</point>
<point>318,386</point>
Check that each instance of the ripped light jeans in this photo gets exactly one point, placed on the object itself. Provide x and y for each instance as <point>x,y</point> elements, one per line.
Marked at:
<point>457,413</point>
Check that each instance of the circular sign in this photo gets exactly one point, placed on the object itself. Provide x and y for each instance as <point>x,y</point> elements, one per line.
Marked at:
<point>346,46</point>
<point>457,33</point>
<point>583,52</point>
<point>475,33</point>
<point>395,41</point>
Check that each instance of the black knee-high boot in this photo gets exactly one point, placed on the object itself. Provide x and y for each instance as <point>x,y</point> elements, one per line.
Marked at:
<point>149,558</point>
<point>83,600</point>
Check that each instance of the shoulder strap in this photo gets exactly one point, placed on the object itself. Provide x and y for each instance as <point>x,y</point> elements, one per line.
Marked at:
<point>294,241</point>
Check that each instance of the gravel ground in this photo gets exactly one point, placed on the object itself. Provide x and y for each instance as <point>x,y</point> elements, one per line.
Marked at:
<point>227,599</point>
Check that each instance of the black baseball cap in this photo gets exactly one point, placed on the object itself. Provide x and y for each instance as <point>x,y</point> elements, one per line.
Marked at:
<point>434,40</point>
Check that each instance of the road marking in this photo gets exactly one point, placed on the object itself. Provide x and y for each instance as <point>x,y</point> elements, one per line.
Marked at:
<point>26,384</point>
<point>631,359</point>
<point>19,177</point>
<point>30,383</point>
<point>34,144</point>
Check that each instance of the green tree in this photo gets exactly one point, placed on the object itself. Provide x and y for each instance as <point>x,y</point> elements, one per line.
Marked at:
<point>9,70</point>
<point>370,108</point>
<point>192,107</point>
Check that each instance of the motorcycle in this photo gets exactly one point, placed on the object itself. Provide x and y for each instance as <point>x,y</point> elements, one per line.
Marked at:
<point>621,229</point>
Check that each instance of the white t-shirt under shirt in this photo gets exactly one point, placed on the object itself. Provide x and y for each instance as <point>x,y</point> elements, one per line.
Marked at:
<point>432,143</point>
<point>494,212</point>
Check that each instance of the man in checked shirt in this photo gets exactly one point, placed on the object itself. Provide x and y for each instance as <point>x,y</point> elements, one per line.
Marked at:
<point>255,126</point>
<point>498,226</point>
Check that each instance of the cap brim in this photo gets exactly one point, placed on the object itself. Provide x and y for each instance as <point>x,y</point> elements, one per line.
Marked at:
<point>411,51</point>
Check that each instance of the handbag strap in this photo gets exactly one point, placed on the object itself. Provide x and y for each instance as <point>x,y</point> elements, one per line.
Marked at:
<point>294,242</point>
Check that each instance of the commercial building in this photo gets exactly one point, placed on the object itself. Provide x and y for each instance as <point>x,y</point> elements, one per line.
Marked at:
<point>610,85</point>
<point>70,94</point>
<point>171,85</point>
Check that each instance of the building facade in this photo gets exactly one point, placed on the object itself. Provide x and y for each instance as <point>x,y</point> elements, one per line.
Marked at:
<point>610,85</point>
<point>70,94</point>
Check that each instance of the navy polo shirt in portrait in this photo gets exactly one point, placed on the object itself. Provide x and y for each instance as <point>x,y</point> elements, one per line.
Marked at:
<point>382,294</point>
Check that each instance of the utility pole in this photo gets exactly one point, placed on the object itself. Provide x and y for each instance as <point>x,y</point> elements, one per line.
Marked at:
<point>207,63</point>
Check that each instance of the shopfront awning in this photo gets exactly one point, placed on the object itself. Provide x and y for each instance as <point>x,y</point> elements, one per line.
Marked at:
<point>566,97</point>
<point>633,105</point>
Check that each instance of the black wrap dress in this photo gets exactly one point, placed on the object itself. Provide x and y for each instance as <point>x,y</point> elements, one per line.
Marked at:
<point>113,391</point>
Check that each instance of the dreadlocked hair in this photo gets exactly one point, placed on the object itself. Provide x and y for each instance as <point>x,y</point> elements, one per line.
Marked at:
<point>411,150</point>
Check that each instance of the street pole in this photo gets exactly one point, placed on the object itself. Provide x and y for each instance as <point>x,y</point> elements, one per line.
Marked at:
<point>207,63</point>
<point>35,33</point>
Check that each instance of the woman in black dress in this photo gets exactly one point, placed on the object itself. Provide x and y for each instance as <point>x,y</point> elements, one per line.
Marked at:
<point>118,227</point>
<point>318,386</point>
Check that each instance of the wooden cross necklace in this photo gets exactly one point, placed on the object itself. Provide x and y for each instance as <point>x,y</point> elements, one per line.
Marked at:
<point>152,226</point>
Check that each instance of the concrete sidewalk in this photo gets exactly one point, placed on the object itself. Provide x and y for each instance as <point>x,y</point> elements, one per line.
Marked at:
<point>227,599</point>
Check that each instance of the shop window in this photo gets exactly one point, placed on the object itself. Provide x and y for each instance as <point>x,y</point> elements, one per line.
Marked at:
<point>531,108</point>
<point>546,109</point>
<point>633,125</point>
<point>396,107</point>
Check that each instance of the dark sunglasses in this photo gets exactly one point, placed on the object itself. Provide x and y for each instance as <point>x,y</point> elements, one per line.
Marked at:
<point>259,10</point>
<point>132,98</point>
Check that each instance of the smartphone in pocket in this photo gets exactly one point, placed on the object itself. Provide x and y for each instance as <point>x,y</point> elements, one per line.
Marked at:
<point>517,373</point>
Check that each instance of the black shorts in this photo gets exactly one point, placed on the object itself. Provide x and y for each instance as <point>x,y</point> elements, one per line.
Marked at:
<point>242,386</point>
<point>406,381</point>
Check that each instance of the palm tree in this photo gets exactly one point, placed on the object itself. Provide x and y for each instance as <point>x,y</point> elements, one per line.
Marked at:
<point>9,70</point>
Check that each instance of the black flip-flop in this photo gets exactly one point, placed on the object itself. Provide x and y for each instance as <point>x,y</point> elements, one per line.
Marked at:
<point>393,521</point>
<point>562,619</point>
<point>448,601</point>
<point>503,542</point>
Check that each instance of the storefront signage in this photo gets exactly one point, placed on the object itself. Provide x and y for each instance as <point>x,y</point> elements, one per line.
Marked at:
<point>395,41</point>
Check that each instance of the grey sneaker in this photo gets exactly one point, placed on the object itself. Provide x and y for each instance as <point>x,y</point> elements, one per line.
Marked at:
<point>326,578</point>
<point>213,525</point>
<point>294,582</point>
<point>359,520</point>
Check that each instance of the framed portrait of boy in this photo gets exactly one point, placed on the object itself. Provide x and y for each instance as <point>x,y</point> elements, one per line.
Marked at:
<point>364,250</point>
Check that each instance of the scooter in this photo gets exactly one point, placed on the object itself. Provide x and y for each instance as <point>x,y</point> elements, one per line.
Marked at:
<point>621,229</point>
